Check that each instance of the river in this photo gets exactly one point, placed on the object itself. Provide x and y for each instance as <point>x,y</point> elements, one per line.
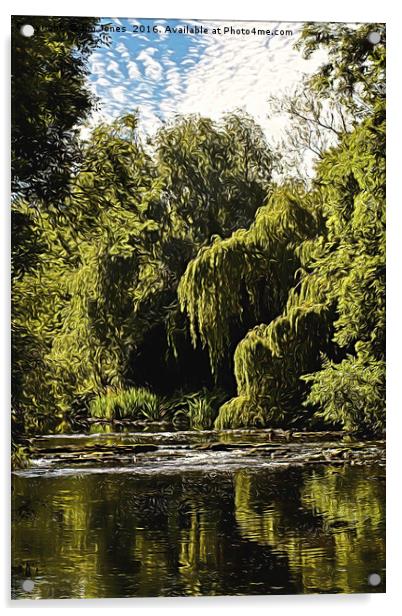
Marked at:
<point>130,514</point>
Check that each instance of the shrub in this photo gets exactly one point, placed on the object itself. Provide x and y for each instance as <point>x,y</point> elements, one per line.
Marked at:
<point>198,410</point>
<point>133,403</point>
<point>19,456</point>
<point>350,395</point>
<point>240,412</point>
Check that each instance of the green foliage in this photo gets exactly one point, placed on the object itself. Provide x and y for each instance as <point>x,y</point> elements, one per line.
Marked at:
<point>338,305</point>
<point>354,68</point>
<point>76,309</point>
<point>350,395</point>
<point>215,174</point>
<point>132,403</point>
<point>108,265</point>
<point>241,412</point>
<point>213,288</point>
<point>192,237</point>
<point>197,410</point>
<point>49,97</point>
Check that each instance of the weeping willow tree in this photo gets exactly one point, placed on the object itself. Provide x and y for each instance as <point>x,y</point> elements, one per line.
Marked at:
<point>319,344</point>
<point>158,248</point>
<point>331,332</point>
<point>109,256</point>
<point>255,266</point>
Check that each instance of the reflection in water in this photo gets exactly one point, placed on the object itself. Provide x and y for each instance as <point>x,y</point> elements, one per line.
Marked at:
<point>251,531</point>
<point>329,521</point>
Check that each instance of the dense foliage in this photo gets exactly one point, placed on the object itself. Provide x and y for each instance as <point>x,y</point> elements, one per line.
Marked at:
<point>109,261</point>
<point>331,332</point>
<point>150,274</point>
<point>49,95</point>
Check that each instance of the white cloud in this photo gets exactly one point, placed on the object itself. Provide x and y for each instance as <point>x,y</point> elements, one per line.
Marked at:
<point>153,70</point>
<point>102,82</point>
<point>119,94</point>
<point>122,50</point>
<point>241,71</point>
<point>97,64</point>
<point>133,71</point>
<point>150,51</point>
<point>113,67</point>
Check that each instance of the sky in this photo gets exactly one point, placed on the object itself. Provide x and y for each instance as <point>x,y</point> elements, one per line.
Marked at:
<point>163,73</point>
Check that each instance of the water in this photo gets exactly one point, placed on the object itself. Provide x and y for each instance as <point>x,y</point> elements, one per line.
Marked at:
<point>93,519</point>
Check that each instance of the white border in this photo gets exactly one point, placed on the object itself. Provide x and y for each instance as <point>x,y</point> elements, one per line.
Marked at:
<point>284,10</point>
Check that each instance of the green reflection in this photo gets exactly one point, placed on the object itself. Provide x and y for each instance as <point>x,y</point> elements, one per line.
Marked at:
<point>265,531</point>
<point>330,523</point>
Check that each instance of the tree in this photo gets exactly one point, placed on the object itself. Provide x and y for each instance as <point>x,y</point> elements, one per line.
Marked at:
<point>216,175</point>
<point>111,256</point>
<point>332,323</point>
<point>355,68</point>
<point>49,97</point>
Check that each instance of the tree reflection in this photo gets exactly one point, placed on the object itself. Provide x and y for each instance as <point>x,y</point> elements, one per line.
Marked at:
<point>116,535</point>
<point>329,522</point>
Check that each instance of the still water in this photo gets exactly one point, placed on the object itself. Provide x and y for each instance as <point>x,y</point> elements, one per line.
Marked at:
<point>92,519</point>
